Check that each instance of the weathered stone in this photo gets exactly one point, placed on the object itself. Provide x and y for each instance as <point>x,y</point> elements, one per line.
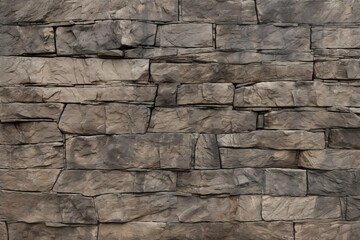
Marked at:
<point>46,155</point>
<point>16,40</point>
<point>166,94</point>
<point>333,183</point>
<point>330,159</point>
<point>239,11</point>
<point>238,158</point>
<point>23,231</point>
<point>313,12</point>
<point>186,119</point>
<point>91,183</point>
<point>262,37</point>
<point>210,73</point>
<point>102,36</point>
<point>65,71</point>
<point>3,231</point>
<point>151,150</point>
<point>206,93</point>
<point>300,208</point>
<point>346,69</point>
<point>196,231</point>
<point>265,139</point>
<point>16,111</point>
<point>344,138</point>
<point>310,120</point>
<point>100,119</point>
<point>29,132</point>
<point>55,11</point>
<point>21,94</point>
<point>46,207</point>
<point>128,93</point>
<point>207,152</point>
<point>28,180</point>
<point>185,35</point>
<point>290,182</point>
<point>353,208</point>
<point>234,181</point>
<point>335,37</point>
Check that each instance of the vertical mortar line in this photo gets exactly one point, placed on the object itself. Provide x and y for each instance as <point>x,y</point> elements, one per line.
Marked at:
<point>256,12</point>
<point>7,231</point>
<point>54,29</point>
<point>294,230</point>
<point>98,229</point>
<point>214,35</point>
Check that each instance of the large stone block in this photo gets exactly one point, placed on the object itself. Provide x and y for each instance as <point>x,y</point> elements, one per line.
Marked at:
<point>335,37</point>
<point>66,71</point>
<point>344,138</point>
<point>289,139</point>
<point>290,182</point>
<point>102,36</point>
<point>92,183</point>
<point>185,119</point>
<point>220,73</point>
<point>207,152</point>
<point>16,40</point>
<point>313,12</point>
<point>151,150</point>
<point>239,11</point>
<point>15,111</point>
<point>46,207</point>
<point>262,37</point>
<point>353,208</point>
<point>347,69</point>
<point>238,158</point>
<point>301,208</point>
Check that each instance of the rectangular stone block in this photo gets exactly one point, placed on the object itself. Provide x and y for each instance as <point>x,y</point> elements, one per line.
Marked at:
<point>103,35</point>
<point>344,138</point>
<point>261,158</point>
<point>262,37</point>
<point>289,139</point>
<point>16,40</point>
<point>10,112</point>
<point>288,182</point>
<point>330,159</point>
<point>312,12</point>
<point>335,37</point>
<point>327,230</point>
<point>111,118</point>
<point>353,208</point>
<point>26,231</point>
<point>151,150</point>
<point>45,155</point>
<point>29,132</point>
<point>71,71</point>
<point>347,69</point>
<point>220,73</point>
<point>3,231</point>
<point>207,152</point>
<point>300,208</point>
<point>185,119</point>
<point>46,207</point>
<point>96,182</point>
<point>239,11</point>
<point>206,93</point>
<point>55,11</point>
<point>234,181</point>
<point>185,35</point>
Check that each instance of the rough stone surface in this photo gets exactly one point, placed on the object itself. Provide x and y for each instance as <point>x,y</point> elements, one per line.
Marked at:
<point>166,94</point>
<point>3,231</point>
<point>16,111</point>
<point>353,208</point>
<point>289,182</point>
<point>206,152</point>
<point>347,69</point>
<point>344,138</point>
<point>335,37</point>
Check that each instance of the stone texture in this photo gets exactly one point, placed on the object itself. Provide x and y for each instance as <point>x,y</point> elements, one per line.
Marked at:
<point>185,119</point>
<point>45,155</point>
<point>151,150</point>
<point>206,152</point>
<point>46,207</point>
<point>333,183</point>
<point>65,71</point>
<point>206,93</point>
<point>262,37</point>
<point>346,69</point>
<point>14,111</point>
<point>344,138</point>
<point>353,208</point>
<point>335,37</point>
<point>166,94</point>
<point>265,139</point>
<point>238,158</point>
<point>102,36</point>
<point>300,208</point>
<point>239,11</point>
<point>234,181</point>
<point>104,119</point>
<point>310,120</point>
<point>329,230</point>
<point>16,40</point>
<point>55,11</point>
<point>220,73</point>
<point>23,231</point>
<point>29,132</point>
<point>3,231</point>
<point>289,182</point>
<point>185,35</point>
<point>313,12</point>
<point>330,159</point>
<point>92,183</point>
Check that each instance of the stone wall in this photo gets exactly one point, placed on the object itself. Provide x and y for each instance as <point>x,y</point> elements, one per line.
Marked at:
<point>179,119</point>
